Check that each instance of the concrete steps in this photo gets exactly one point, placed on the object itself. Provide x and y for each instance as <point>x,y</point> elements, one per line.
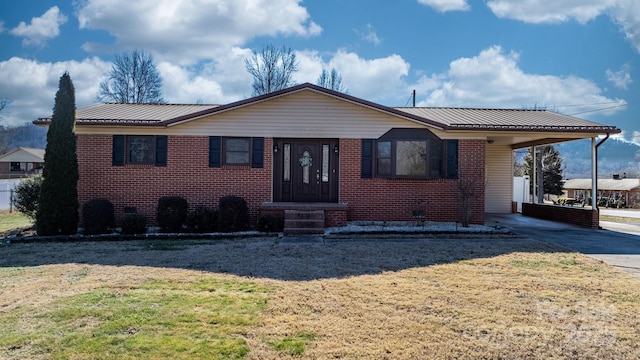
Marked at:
<point>303,222</point>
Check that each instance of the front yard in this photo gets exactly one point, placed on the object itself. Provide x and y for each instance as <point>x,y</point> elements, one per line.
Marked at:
<point>270,299</point>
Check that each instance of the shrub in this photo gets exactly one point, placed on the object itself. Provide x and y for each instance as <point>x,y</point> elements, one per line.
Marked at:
<point>27,195</point>
<point>171,213</point>
<point>270,223</point>
<point>233,214</point>
<point>134,224</point>
<point>202,220</point>
<point>97,215</point>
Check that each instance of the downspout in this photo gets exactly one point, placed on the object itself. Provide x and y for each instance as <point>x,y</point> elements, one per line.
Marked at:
<point>594,178</point>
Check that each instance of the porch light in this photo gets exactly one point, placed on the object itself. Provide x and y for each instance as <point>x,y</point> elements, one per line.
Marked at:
<point>276,148</point>
<point>335,148</point>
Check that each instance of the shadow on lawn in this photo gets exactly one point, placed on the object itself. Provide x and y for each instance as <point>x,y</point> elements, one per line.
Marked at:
<point>275,258</point>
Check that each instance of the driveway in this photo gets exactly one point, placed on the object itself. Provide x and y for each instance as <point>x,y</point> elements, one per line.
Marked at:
<point>616,244</point>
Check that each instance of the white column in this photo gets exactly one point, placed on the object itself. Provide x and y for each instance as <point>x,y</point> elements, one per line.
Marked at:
<point>534,176</point>
<point>594,175</point>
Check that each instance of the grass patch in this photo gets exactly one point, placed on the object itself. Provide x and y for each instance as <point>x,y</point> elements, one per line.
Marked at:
<point>257,299</point>
<point>620,219</point>
<point>293,345</point>
<point>158,319</point>
<point>13,220</point>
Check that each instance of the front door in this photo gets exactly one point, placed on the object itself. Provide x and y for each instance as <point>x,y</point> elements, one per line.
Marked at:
<point>306,170</point>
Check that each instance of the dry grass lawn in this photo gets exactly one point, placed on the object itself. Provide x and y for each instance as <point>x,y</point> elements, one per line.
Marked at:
<point>356,299</point>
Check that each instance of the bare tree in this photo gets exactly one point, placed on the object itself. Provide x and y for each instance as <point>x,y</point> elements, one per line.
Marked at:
<point>4,131</point>
<point>133,78</point>
<point>3,103</point>
<point>331,80</point>
<point>272,69</point>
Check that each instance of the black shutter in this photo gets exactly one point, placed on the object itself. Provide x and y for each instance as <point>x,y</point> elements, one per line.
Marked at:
<point>161,150</point>
<point>117,150</point>
<point>215,143</point>
<point>366,163</point>
<point>257,152</point>
<point>452,159</point>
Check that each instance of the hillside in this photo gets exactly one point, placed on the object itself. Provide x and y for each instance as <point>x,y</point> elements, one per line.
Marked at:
<point>614,156</point>
<point>27,135</point>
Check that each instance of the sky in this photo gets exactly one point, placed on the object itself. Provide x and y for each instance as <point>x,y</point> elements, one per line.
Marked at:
<point>576,57</point>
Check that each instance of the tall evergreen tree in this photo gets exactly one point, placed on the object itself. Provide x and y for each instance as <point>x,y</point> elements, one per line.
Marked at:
<point>58,208</point>
<point>550,162</point>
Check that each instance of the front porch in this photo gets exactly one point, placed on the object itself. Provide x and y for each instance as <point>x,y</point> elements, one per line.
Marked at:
<point>307,218</point>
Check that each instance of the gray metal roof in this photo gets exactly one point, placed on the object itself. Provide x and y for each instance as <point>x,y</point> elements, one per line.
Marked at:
<point>504,119</point>
<point>603,184</point>
<point>23,154</point>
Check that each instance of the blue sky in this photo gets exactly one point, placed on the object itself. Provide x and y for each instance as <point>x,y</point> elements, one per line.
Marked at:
<point>577,57</point>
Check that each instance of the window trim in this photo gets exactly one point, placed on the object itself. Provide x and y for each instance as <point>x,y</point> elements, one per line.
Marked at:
<point>224,152</point>
<point>152,151</point>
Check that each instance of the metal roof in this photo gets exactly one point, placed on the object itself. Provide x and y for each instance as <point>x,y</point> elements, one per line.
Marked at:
<point>505,119</point>
<point>441,118</point>
<point>603,184</point>
<point>119,113</point>
<point>23,154</point>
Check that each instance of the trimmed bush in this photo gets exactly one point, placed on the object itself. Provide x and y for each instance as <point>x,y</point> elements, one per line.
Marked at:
<point>26,196</point>
<point>172,213</point>
<point>202,220</point>
<point>233,214</point>
<point>134,224</point>
<point>98,217</point>
<point>270,223</point>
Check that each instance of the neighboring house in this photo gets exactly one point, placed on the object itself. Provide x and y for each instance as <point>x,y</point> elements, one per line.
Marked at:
<point>21,162</point>
<point>614,192</point>
<point>307,147</point>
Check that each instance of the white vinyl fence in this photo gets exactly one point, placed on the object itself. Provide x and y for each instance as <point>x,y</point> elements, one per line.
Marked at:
<point>6,191</point>
<point>521,191</point>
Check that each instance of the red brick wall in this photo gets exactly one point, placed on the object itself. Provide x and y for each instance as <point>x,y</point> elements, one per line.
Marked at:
<point>394,199</point>
<point>187,174</point>
<point>567,214</point>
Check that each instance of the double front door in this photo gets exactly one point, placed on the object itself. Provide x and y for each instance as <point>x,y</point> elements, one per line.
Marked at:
<point>305,170</point>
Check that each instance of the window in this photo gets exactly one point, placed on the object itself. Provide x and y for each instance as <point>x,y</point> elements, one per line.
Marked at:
<point>15,166</point>
<point>139,150</point>
<point>236,151</point>
<point>410,153</point>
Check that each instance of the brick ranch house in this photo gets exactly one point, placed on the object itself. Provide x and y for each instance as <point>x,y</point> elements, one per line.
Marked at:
<point>307,147</point>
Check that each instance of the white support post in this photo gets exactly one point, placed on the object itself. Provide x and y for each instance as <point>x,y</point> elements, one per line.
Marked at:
<point>594,175</point>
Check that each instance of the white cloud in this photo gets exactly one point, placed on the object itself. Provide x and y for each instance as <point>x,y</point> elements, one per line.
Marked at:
<point>626,13</point>
<point>621,78</point>
<point>446,5</point>
<point>370,35</point>
<point>185,32</point>
<point>541,11</point>
<point>218,82</point>
<point>31,86</point>
<point>380,79</point>
<point>636,137</point>
<point>41,28</point>
<point>493,79</point>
